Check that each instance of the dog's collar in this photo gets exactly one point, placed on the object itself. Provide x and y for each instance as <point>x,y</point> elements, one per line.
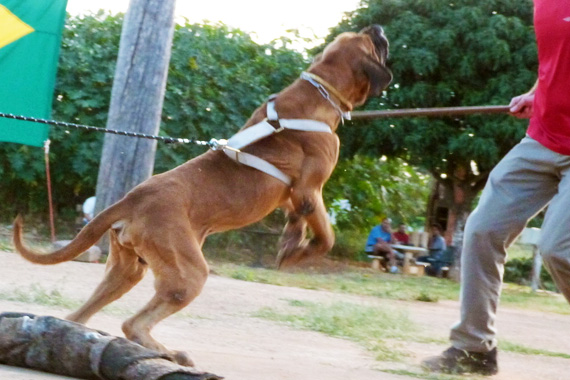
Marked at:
<point>326,89</point>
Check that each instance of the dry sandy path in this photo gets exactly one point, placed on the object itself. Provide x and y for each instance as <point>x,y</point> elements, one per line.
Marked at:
<point>223,338</point>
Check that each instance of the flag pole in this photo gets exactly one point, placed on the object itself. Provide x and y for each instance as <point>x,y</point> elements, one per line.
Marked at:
<point>50,200</point>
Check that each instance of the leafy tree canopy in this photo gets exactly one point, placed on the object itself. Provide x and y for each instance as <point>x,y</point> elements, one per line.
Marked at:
<point>442,53</point>
<point>376,188</point>
<point>217,77</point>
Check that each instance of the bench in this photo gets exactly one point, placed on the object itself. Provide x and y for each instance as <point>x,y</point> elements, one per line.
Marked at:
<point>413,269</point>
<point>376,260</point>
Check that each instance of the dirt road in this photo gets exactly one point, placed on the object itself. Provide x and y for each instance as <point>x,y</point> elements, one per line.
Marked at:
<point>223,337</point>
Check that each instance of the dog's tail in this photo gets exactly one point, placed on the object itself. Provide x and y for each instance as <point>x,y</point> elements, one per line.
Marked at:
<point>87,237</point>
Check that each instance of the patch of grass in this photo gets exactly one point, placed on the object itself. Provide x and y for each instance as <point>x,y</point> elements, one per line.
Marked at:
<point>397,287</point>
<point>520,251</point>
<point>426,297</point>
<point>427,375</point>
<point>6,244</point>
<point>36,294</point>
<point>353,281</point>
<point>31,240</point>
<point>520,349</point>
<point>524,298</point>
<point>382,331</point>
<point>377,329</point>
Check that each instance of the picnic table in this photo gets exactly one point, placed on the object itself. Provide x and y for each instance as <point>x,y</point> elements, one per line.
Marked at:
<point>411,252</point>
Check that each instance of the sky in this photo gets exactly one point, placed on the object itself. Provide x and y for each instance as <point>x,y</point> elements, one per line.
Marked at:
<point>265,20</point>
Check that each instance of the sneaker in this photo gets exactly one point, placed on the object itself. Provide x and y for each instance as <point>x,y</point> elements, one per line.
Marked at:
<point>456,361</point>
<point>394,269</point>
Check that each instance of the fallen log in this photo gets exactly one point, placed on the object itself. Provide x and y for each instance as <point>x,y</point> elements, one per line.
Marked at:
<point>66,348</point>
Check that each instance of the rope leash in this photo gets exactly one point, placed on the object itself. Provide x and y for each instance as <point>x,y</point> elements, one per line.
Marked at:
<point>169,140</point>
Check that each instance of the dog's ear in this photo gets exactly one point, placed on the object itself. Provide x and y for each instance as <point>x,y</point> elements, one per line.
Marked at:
<point>378,75</point>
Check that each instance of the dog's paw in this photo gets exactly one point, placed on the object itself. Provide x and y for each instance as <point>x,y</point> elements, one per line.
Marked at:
<point>182,358</point>
<point>292,258</point>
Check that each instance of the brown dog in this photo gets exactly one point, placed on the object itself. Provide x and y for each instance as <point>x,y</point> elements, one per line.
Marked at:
<point>162,223</point>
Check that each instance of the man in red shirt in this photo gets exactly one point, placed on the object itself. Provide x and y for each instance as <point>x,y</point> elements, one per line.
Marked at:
<point>401,236</point>
<point>534,174</point>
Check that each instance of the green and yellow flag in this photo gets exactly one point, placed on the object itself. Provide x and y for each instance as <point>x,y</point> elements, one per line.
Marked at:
<point>30,39</point>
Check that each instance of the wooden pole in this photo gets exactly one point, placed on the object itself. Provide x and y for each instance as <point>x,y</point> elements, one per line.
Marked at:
<point>136,100</point>
<point>50,198</point>
<point>429,112</point>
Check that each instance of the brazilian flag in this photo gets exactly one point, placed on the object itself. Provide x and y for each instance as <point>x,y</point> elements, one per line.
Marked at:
<point>30,39</point>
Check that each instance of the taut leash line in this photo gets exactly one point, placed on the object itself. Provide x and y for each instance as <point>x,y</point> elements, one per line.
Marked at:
<point>165,139</point>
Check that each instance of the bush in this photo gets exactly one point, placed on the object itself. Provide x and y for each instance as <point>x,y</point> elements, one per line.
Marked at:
<point>349,245</point>
<point>519,271</point>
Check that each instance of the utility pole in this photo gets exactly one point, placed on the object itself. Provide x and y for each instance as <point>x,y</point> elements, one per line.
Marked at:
<point>136,99</point>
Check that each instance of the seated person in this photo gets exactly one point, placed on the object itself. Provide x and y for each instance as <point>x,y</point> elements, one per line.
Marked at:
<point>436,249</point>
<point>378,244</point>
<point>400,236</point>
<point>88,209</point>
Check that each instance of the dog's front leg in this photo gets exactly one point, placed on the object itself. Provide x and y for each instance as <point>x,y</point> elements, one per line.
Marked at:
<point>307,209</point>
<point>294,233</point>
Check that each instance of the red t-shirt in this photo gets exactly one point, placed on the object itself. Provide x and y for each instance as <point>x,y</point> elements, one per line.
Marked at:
<point>402,237</point>
<point>550,122</point>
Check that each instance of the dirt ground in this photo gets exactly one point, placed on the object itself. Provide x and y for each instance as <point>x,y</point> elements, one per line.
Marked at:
<point>222,336</point>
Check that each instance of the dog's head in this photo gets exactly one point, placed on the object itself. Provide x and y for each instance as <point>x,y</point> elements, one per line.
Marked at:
<point>364,55</point>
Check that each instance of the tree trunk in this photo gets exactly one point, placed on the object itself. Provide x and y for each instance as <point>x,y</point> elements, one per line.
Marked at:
<point>136,99</point>
<point>450,205</point>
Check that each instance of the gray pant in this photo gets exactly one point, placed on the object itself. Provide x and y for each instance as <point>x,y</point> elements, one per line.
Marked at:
<point>528,178</point>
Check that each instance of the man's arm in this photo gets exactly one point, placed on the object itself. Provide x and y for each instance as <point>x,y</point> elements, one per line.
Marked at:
<point>372,236</point>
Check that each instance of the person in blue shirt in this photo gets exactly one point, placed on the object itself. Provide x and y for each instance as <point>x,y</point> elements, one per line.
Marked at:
<point>436,247</point>
<point>378,244</point>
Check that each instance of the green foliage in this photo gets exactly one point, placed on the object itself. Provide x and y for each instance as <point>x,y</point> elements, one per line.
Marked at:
<point>519,271</point>
<point>376,188</point>
<point>460,53</point>
<point>217,77</point>
<point>86,68</point>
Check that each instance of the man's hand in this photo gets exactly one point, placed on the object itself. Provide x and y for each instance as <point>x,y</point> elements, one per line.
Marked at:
<point>521,106</point>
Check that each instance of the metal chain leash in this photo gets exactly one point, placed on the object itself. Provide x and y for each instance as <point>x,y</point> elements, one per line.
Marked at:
<point>169,140</point>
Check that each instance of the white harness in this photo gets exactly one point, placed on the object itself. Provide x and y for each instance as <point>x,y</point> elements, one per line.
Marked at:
<point>263,129</point>
<point>232,146</point>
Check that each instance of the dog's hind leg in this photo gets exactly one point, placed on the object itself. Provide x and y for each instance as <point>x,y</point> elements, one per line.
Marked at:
<point>124,270</point>
<point>180,273</point>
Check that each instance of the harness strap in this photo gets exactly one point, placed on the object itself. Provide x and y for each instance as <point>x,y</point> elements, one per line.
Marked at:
<point>270,109</point>
<point>263,129</point>
<point>258,163</point>
<point>250,135</point>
